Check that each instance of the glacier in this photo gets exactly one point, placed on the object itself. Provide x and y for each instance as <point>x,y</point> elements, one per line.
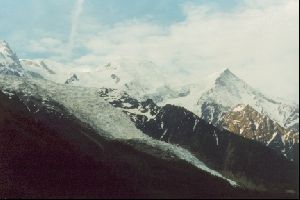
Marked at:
<point>86,105</point>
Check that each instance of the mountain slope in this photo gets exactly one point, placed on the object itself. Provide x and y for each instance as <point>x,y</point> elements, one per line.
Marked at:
<point>86,105</point>
<point>247,122</point>
<point>50,153</point>
<point>54,155</point>
<point>240,158</point>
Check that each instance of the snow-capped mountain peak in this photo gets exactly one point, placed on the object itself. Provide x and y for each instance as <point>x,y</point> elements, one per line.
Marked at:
<point>9,62</point>
<point>222,91</point>
<point>226,76</point>
<point>226,72</point>
<point>138,78</point>
<point>4,47</point>
<point>229,91</point>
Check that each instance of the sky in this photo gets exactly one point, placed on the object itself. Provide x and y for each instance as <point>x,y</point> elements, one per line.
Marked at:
<point>256,39</point>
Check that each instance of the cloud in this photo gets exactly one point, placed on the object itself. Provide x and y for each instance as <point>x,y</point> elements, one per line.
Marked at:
<point>74,24</point>
<point>258,40</point>
<point>56,48</point>
<point>47,45</point>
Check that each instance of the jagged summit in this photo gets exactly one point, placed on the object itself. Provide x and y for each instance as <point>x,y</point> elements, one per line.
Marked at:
<point>5,49</point>
<point>9,62</point>
<point>3,43</point>
<point>229,91</point>
<point>227,72</point>
<point>226,75</point>
<point>222,91</point>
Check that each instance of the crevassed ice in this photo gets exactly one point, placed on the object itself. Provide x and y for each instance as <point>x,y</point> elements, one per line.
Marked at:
<point>85,104</point>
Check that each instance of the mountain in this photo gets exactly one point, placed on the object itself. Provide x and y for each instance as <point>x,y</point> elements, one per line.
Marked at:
<point>225,90</point>
<point>9,62</point>
<point>229,91</point>
<point>210,97</point>
<point>221,93</point>
<point>241,159</point>
<point>52,154</point>
<point>247,122</point>
<point>48,121</point>
<point>65,140</point>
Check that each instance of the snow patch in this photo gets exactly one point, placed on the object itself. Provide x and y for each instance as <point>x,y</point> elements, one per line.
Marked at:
<point>9,94</point>
<point>138,112</point>
<point>273,137</point>
<point>239,108</point>
<point>195,124</point>
<point>164,133</point>
<point>217,138</point>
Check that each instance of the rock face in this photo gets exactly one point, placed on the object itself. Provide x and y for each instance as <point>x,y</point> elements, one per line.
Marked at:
<point>292,121</point>
<point>72,79</point>
<point>9,62</point>
<point>247,122</point>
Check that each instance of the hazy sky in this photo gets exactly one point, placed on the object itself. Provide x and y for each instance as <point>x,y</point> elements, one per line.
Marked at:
<point>257,39</point>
